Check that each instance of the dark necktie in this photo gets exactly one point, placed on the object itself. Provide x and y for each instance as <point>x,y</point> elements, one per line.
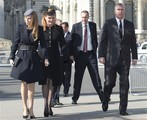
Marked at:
<point>85,39</point>
<point>120,29</point>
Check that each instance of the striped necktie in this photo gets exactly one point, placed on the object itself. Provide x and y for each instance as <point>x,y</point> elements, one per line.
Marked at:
<point>85,39</point>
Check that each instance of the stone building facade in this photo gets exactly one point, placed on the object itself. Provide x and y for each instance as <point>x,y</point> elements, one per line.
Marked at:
<point>101,10</point>
<point>11,13</point>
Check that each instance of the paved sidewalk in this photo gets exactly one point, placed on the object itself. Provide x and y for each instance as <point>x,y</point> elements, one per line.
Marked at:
<point>88,108</point>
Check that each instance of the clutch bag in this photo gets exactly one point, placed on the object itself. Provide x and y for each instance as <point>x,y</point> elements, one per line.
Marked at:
<point>16,61</point>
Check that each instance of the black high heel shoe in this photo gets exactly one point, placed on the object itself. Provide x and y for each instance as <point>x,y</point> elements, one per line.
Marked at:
<point>46,112</point>
<point>32,117</point>
<point>25,116</point>
<point>50,112</point>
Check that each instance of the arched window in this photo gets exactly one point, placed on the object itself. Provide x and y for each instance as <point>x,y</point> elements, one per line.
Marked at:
<point>129,10</point>
<point>109,8</point>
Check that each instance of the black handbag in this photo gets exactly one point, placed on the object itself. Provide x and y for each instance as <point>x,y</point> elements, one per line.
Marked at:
<point>17,60</point>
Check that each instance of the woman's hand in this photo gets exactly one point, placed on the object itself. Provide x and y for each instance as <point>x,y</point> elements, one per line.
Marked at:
<point>11,62</point>
<point>46,62</point>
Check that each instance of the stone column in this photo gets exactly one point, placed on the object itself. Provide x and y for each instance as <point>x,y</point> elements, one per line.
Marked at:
<point>121,1</point>
<point>71,13</point>
<point>58,13</point>
<point>65,7</point>
<point>91,10</point>
<point>139,19</point>
<point>97,13</point>
<point>102,11</point>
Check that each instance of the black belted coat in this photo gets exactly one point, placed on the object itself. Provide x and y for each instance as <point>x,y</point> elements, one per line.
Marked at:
<point>54,46</point>
<point>29,68</point>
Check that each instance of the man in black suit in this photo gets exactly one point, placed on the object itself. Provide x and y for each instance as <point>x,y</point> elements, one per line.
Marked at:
<point>117,43</point>
<point>83,51</point>
<point>67,65</point>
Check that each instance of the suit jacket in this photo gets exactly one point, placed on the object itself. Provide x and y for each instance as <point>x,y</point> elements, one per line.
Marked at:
<point>111,45</point>
<point>68,39</point>
<point>76,34</point>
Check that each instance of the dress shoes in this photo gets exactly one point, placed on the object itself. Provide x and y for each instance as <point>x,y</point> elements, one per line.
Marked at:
<point>122,112</point>
<point>105,105</point>
<point>74,102</point>
<point>65,95</point>
<point>59,103</point>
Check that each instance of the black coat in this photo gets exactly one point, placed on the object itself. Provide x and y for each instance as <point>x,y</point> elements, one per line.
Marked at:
<point>53,71</point>
<point>29,69</point>
<point>110,44</point>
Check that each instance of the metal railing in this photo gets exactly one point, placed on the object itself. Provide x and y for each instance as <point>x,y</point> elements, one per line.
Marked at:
<point>138,79</point>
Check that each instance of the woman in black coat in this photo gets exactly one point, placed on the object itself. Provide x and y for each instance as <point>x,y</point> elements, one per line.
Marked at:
<point>25,59</point>
<point>54,38</point>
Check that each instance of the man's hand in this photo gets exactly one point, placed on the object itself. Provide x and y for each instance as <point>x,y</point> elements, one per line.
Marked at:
<point>102,60</point>
<point>134,61</point>
<point>46,62</point>
<point>72,58</point>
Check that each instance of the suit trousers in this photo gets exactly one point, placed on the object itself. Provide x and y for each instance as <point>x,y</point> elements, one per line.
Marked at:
<point>89,60</point>
<point>67,76</point>
<point>110,79</point>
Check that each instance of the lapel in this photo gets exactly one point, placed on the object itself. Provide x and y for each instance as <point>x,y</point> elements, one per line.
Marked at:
<point>125,27</point>
<point>90,28</point>
<point>80,30</point>
<point>115,26</point>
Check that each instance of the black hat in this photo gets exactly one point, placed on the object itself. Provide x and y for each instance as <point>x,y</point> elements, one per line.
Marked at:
<point>51,12</point>
<point>28,12</point>
<point>43,9</point>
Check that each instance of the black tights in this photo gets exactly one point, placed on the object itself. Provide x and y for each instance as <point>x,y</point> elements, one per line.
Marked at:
<point>47,91</point>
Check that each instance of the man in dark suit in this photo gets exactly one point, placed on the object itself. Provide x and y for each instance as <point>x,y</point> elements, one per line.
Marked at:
<point>117,43</point>
<point>83,51</point>
<point>67,65</point>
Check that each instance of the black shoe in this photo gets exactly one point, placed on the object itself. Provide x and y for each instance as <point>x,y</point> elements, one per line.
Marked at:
<point>32,117</point>
<point>105,105</point>
<point>74,102</point>
<point>122,112</point>
<point>50,112</point>
<point>65,95</point>
<point>53,104</point>
<point>25,116</point>
<point>46,112</point>
<point>59,103</point>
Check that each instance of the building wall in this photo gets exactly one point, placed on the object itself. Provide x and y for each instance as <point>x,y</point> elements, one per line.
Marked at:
<point>38,4</point>
<point>102,11</point>
<point>70,12</point>
<point>1,19</point>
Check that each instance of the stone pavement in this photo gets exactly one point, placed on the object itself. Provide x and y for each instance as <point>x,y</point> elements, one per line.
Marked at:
<point>88,108</point>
